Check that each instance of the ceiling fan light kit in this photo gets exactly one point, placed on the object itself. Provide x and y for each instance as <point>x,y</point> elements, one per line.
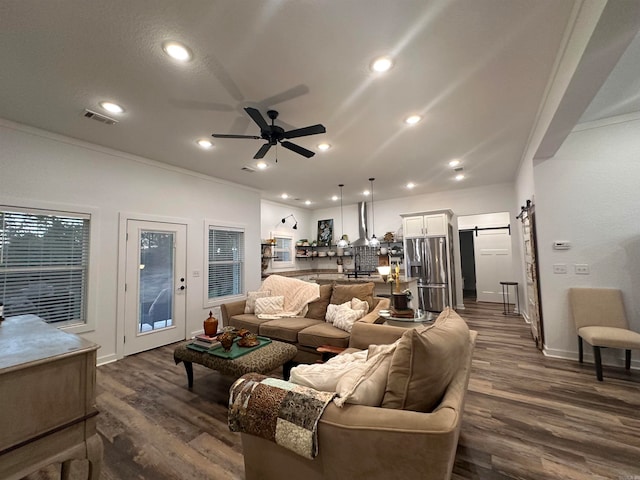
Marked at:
<point>275,134</point>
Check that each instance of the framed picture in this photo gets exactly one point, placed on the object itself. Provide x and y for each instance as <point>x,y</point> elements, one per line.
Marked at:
<point>325,232</point>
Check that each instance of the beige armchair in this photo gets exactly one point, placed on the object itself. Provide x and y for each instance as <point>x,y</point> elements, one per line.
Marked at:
<point>600,320</point>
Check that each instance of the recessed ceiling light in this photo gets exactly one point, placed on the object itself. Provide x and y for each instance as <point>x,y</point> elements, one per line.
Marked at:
<point>454,163</point>
<point>459,176</point>
<point>382,64</point>
<point>204,143</point>
<point>112,107</point>
<point>284,196</point>
<point>177,51</point>
<point>335,198</point>
<point>307,202</point>
<point>324,146</point>
<point>412,119</point>
<point>410,185</point>
<point>366,192</point>
<point>261,165</point>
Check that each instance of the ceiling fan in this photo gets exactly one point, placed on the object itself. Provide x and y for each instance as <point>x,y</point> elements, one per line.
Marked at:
<point>274,134</point>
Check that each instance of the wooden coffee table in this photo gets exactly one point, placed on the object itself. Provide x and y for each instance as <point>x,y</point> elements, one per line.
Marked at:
<point>263,360</point>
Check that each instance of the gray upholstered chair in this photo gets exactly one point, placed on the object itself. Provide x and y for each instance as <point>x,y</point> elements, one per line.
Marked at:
<point>600,320</point>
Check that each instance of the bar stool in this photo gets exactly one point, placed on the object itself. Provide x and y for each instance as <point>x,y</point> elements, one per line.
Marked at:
<point>506,305</point>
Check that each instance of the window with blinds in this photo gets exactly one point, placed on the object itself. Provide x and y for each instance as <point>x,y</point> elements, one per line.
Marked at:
<point>44,260</point>
<point>226,262</point>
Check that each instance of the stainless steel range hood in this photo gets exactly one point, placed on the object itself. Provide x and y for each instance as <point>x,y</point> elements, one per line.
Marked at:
<point>363,231</point>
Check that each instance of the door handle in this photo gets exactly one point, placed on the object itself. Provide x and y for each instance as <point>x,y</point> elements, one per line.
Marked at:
<point>182,287</point>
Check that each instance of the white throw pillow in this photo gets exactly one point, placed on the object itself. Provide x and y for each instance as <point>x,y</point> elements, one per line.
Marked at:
<point>332,310</point>
<point>366,384</point>
<point>357,304</point>
<point>345,318</point>
<point>269,305</point>
<point>250,305</point>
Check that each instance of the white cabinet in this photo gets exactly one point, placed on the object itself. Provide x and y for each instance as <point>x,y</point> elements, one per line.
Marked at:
<point>432,224</point>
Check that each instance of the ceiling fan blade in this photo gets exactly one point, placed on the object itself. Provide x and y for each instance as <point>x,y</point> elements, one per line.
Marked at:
<point>263,151</point>
<point>221,135</point>
<point>303,132</point>
<point>293,92</point>
<point>257,117</point>
<point>298,149</point>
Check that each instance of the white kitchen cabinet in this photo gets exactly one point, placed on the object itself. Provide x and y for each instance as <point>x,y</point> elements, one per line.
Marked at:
<point>431,224</point>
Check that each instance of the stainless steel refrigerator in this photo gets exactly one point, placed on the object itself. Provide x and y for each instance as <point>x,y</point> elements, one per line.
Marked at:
<point>427,259</point>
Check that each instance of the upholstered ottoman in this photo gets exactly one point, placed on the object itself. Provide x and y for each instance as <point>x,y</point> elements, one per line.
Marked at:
<point>263,360</point>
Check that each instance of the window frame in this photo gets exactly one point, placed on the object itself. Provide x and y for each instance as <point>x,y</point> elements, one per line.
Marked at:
<point>35,207</point>
<point>219,225</point>
<point>276,263</point>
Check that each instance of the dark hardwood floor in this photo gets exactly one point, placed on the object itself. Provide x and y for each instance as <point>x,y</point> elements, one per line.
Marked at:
<point>527,416</point>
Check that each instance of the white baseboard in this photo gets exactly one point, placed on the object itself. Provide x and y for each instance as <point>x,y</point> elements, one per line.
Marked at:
<point>106,359</point>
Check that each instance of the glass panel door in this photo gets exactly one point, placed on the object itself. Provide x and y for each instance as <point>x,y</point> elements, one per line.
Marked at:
<point>155,289</point>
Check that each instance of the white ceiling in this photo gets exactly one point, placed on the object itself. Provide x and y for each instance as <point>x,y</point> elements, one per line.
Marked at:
<point>477,70</point>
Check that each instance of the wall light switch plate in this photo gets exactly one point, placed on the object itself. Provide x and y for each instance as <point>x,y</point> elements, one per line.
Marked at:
<point>559,268</point>
<point>195,273</point>
<point>581,269</point>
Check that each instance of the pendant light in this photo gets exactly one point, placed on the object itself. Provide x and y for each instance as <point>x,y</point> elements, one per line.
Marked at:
<point>374,242</point>
<point>342,243</point>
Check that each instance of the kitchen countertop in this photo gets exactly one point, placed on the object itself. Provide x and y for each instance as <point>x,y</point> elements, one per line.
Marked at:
<point>342,277</point>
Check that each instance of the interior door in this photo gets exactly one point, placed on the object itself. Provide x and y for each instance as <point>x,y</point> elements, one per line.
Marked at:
<point>155,289</point>
<point>532,290</point>
<point>492,250</point>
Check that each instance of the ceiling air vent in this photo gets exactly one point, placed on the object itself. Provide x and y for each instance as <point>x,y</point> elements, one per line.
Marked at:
<point>248,169</point>
<point>99,117</point>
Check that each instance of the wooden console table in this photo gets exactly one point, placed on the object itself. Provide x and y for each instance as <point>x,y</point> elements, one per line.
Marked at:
<point>47,399</point>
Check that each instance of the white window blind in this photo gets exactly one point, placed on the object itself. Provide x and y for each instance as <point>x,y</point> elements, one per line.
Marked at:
<point>44,258</point>
<point>226,262</point>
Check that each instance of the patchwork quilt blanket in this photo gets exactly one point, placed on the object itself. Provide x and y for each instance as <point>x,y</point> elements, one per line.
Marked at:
<point>279,411</point>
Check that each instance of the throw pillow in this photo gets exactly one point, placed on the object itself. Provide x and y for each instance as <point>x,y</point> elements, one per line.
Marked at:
<point>424,363</point>
<point>269,305</point>
<point>365,384</point>
<point>357,304</point>
<point>250,305</point>
<point>362,291</point>
<point>332,311</point>
<point>346,317</point>
<point>318,308</point>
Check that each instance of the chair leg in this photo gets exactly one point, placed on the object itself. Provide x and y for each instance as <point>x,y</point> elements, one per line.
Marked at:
<point>580,353</point>
<point>598,360</point>
<point>627,359</point>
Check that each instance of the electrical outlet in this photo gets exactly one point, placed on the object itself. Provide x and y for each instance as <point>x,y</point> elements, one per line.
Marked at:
<point>560,268</point>
<point>581,269</point>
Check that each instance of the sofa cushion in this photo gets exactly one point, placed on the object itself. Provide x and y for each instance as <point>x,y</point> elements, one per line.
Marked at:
<point>248,321</point>
<point>362,291</point>
<point>286,328</point>
<point>323,334</point>
<point>250,305</point>
<point>269,305</point>
<point>318,308</point>
<point>424,363</point>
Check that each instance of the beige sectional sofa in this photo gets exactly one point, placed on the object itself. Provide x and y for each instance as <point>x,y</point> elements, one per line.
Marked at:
<point>311,331</point>
<point>412,435</point>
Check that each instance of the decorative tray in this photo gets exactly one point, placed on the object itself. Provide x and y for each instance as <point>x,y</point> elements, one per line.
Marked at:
<point>236,350</point>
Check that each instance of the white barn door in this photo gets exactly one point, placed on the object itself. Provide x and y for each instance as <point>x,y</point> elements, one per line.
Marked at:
<point>492,249</point>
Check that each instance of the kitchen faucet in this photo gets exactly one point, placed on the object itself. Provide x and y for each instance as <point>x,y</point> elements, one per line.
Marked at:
<point>356,264</point>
